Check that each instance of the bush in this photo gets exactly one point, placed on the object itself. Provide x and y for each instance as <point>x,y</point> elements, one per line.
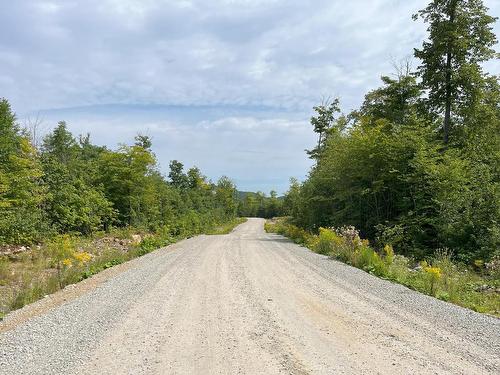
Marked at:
<point>440,276</point>
<point>327,242</point>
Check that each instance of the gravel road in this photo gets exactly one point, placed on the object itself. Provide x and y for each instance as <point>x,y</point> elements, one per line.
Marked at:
<point>245,303</point>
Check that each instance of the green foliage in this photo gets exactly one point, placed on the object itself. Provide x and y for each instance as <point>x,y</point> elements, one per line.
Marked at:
<point>177,177</point>
<point>226,227</point>
<point>101,265</point>
<point>400,187</point>
<point>280,226</point>
<point>385,169</point>
<point>260,205</point>
<point>130,182</point>
<point>324,123</point>
<point>75,202</point>
<point>21,194</point>
<point>460,38</point>
<point>439,277</point>
<point>60,248</point>
<point>397,100</point>
<point>60,251</point>
<point>225,196</point>
<point>73,186</point>
<point>327,241</point>
<point>151,243</point>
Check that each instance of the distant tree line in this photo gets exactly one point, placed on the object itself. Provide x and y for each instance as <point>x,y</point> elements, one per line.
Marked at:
<point>69,185</point>
<point>259,205</point>
<point>418,164</point>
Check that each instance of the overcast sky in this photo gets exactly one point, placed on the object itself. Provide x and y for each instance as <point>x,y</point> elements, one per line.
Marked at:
<point>227,85</point>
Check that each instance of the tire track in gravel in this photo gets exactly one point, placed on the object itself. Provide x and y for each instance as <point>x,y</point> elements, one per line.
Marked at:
<point>57,341</point>
<point>441,336</point>
<point>247,303</point>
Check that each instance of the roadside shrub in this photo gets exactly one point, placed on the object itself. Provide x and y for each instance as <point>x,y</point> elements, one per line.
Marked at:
<point>327,242</point>
<point>370,261</point>
<point>150,244</point>
<point>60,251</point>
<point>493,267</point>
<point>433,275</point>
<point>441,277</point>
<point>389,254</point>
<point>350,236</point>
<point>101,263</point>
<point>296,234</point>
<point>398,269</point>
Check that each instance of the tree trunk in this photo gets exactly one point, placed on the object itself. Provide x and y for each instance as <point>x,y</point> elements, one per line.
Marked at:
<point>447,110</point>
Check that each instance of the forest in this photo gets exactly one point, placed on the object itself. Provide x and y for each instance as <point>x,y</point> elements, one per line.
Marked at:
<point>69,185</point>
<point>260,205</point>
<point>417,166</point>
<point>70,209</point>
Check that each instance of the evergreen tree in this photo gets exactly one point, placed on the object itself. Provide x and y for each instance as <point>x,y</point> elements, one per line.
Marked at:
<point>460,38</point>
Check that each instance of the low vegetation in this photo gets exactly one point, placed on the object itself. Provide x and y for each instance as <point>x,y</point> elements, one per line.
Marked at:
<point>62,197</point>
<point>228,227</point>
<point>66,260</point>
<point>438,276</point>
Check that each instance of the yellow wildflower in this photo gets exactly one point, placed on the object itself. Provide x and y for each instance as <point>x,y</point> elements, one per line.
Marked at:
<point>388,250</point>
<point>82,257</point>
<point>67,262</point>
<point>389,254</point>
<point>434,271</point>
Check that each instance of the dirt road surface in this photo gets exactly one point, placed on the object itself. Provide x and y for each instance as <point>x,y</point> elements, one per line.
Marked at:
<point>245,303</point>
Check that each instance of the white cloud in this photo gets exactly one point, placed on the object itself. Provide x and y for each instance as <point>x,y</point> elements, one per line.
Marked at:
<point>259,148</point>
<point>285,54</point>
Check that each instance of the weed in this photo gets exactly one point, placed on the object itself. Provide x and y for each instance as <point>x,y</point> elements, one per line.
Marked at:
<point>440,277</point>
<point>226,227</point>
<point>4,271</point>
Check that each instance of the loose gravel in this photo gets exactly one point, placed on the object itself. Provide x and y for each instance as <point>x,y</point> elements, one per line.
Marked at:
<point>246,303</point>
